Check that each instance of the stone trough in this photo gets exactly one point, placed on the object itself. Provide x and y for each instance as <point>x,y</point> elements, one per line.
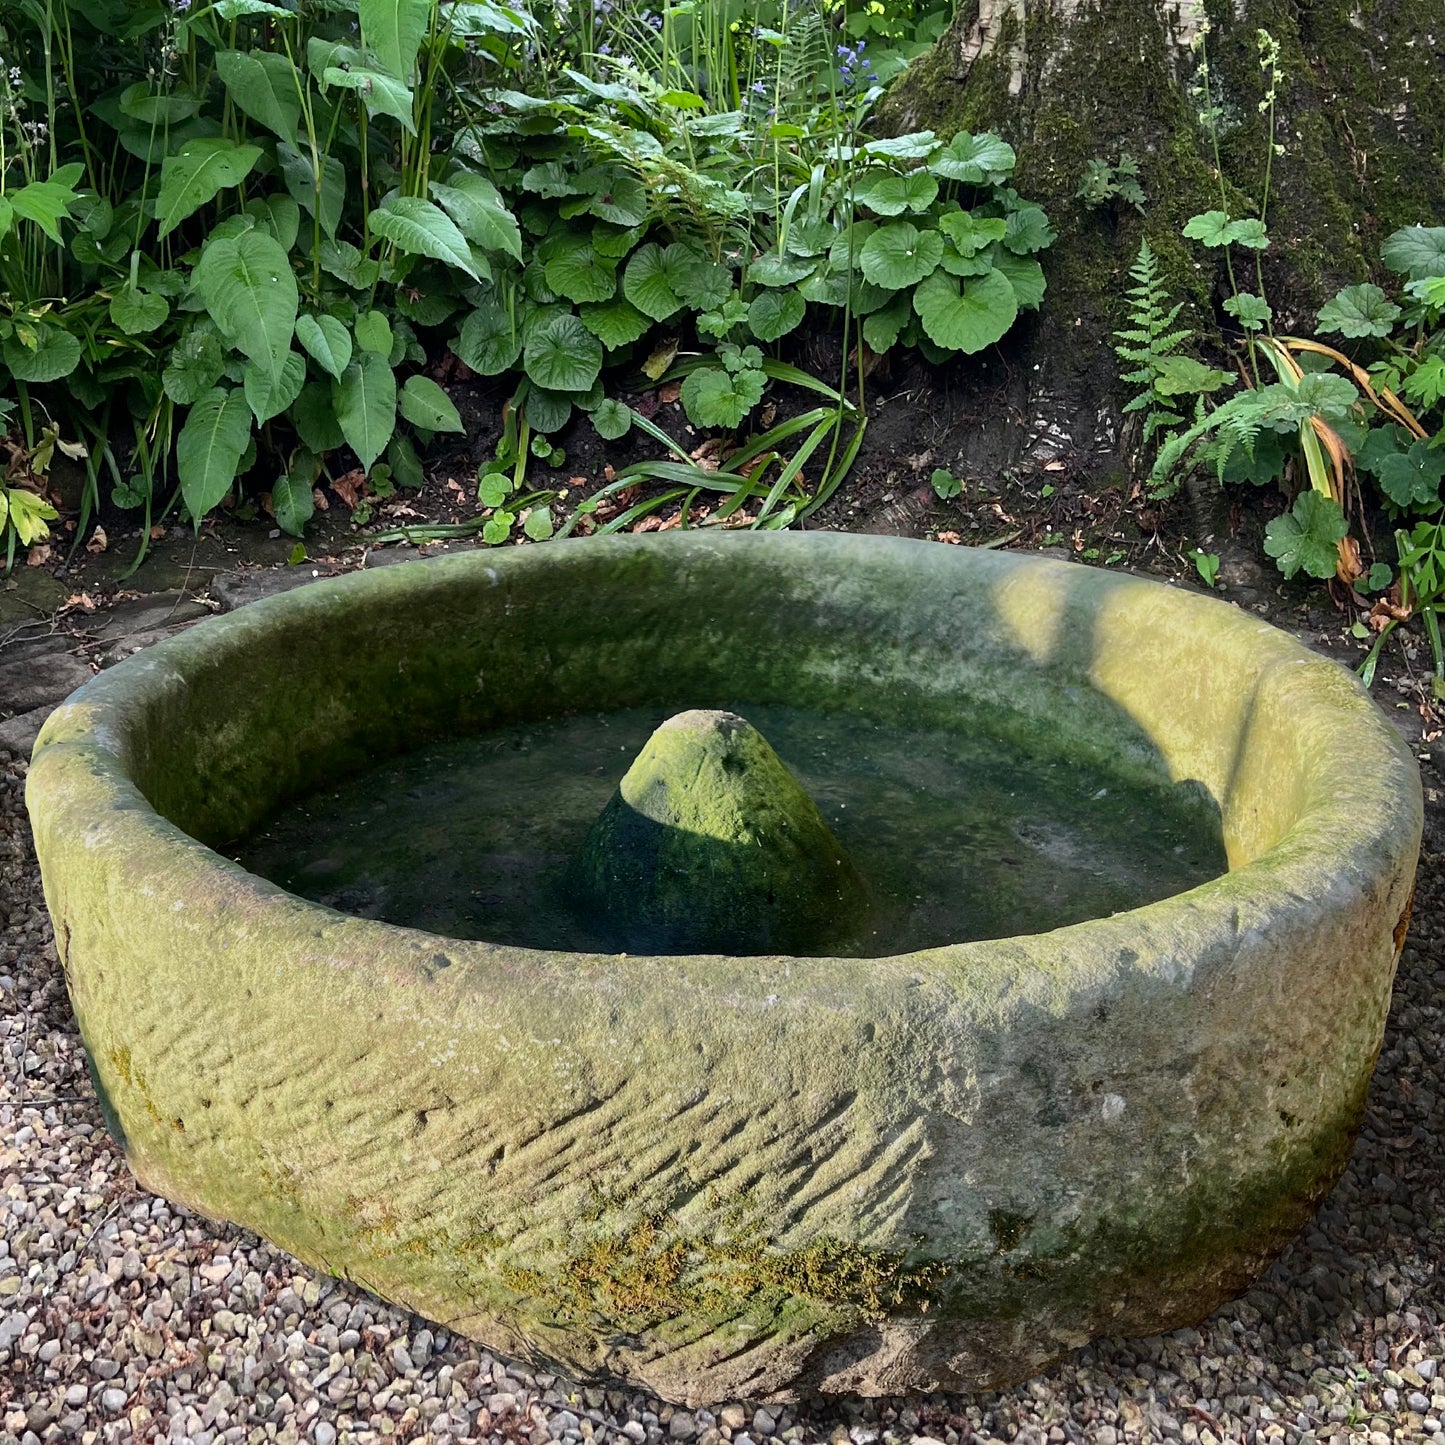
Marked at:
<point>740,1176</point>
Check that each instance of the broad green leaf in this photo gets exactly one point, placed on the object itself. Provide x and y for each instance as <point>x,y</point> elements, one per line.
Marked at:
<point>1184,376</point>
<point>648,281</point>
<point>1425,386</point>
<point>1027,230</point>
<point>326,341</point>
<point>373,333</point>
<point>489,342</point>
<point>1250,233</point>
<point>314,416</point>
<point>249,289</point>
<point>394,31</point>
<point>974,159</point>
<point>380,94</point>
<point>771,269</point>
<point>547,411</point>
<point>577,274</point>
<point>423,403</point>
<point>615,196</point>
<point>7,219</point>
<point>715,397</point>
<point>538,523</point>
<point>210,447</point>
<point>265,86</point>
<point>300,179</point>
<point>195,174</point>
<point>291,496</point>
<point>1416,251</point>
<point>423,229</point>
<point>54,353</point>
<point>229,10</point>
<point>612,419</point>
<point>899,255</point>
<point>138,312</point>
<point>46,203</point>
<point>914,146</point>
<point>268,394</point>
<point>881,329</point>
<point>27,513</point>
<point>365,401</point>
<point>966,319</point>
<point>481,215</point>
<point>614,323</point>
<point>775,313</point>
<point>1359,311</point>
<point>702,284</point>
<point>1306,538</point>
<point>1412,478</point>
<point>193,367</point>
<point>1024,274</point>
<point>1209,228</point>
<point>279,215</point>
<point>970,233</point>
<point>891,195</point>
<point>1252,312</point>
<point>1214,229</point>
<point>563,355</point>
<point>404,463</point>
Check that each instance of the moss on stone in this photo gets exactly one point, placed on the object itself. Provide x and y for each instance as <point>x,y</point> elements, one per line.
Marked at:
<point>710,845</point>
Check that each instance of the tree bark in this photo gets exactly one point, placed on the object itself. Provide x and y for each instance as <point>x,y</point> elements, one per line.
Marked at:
<point>1360,114</point>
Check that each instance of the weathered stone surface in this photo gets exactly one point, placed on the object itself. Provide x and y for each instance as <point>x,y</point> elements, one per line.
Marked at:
<point>236,589</point>
<point>42,681</point>
<point>18,734</point>
<point>710,845</point>
<point>724,1177</point>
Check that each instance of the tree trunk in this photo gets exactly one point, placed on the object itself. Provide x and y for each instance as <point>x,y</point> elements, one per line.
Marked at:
<point>1360,115</point>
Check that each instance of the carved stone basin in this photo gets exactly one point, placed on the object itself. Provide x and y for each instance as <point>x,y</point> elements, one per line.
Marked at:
<point>743,1176</point>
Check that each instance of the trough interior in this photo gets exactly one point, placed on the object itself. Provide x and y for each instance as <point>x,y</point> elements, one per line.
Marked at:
<point>1101,669</point>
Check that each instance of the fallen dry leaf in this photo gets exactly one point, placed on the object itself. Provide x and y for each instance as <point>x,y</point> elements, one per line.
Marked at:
<point>609,473</point>
<point>648,524</point>
<point>349,486</point>
<point>952,538</point>
<point>669,393</point>
<point>921,460</point>
<point>673,521</point>
<point>39,555</point>
<point>1056,466</point>
<point>98,541</point>
<point>318,500</point>
<point>158,531</point>
<point>82,600</point>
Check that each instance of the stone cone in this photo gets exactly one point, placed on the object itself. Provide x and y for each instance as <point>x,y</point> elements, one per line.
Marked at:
<point>710,845</point>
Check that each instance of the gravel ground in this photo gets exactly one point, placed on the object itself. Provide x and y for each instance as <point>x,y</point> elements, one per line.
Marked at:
<point>123,1317</point>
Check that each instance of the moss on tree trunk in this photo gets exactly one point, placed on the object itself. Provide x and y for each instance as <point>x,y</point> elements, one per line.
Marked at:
<point>1360,113</point>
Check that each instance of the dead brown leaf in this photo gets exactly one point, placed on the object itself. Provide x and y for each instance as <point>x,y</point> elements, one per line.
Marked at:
<point>318,500</point>
<point>1348,567</point>
<point>158,531</point>
<point>669,393</point>
<point>349,486</point>
<point>921,461</point>
<point>39,554</point>
<point>952,538</point>
<point>648,524</point>
<point>98,542</point>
